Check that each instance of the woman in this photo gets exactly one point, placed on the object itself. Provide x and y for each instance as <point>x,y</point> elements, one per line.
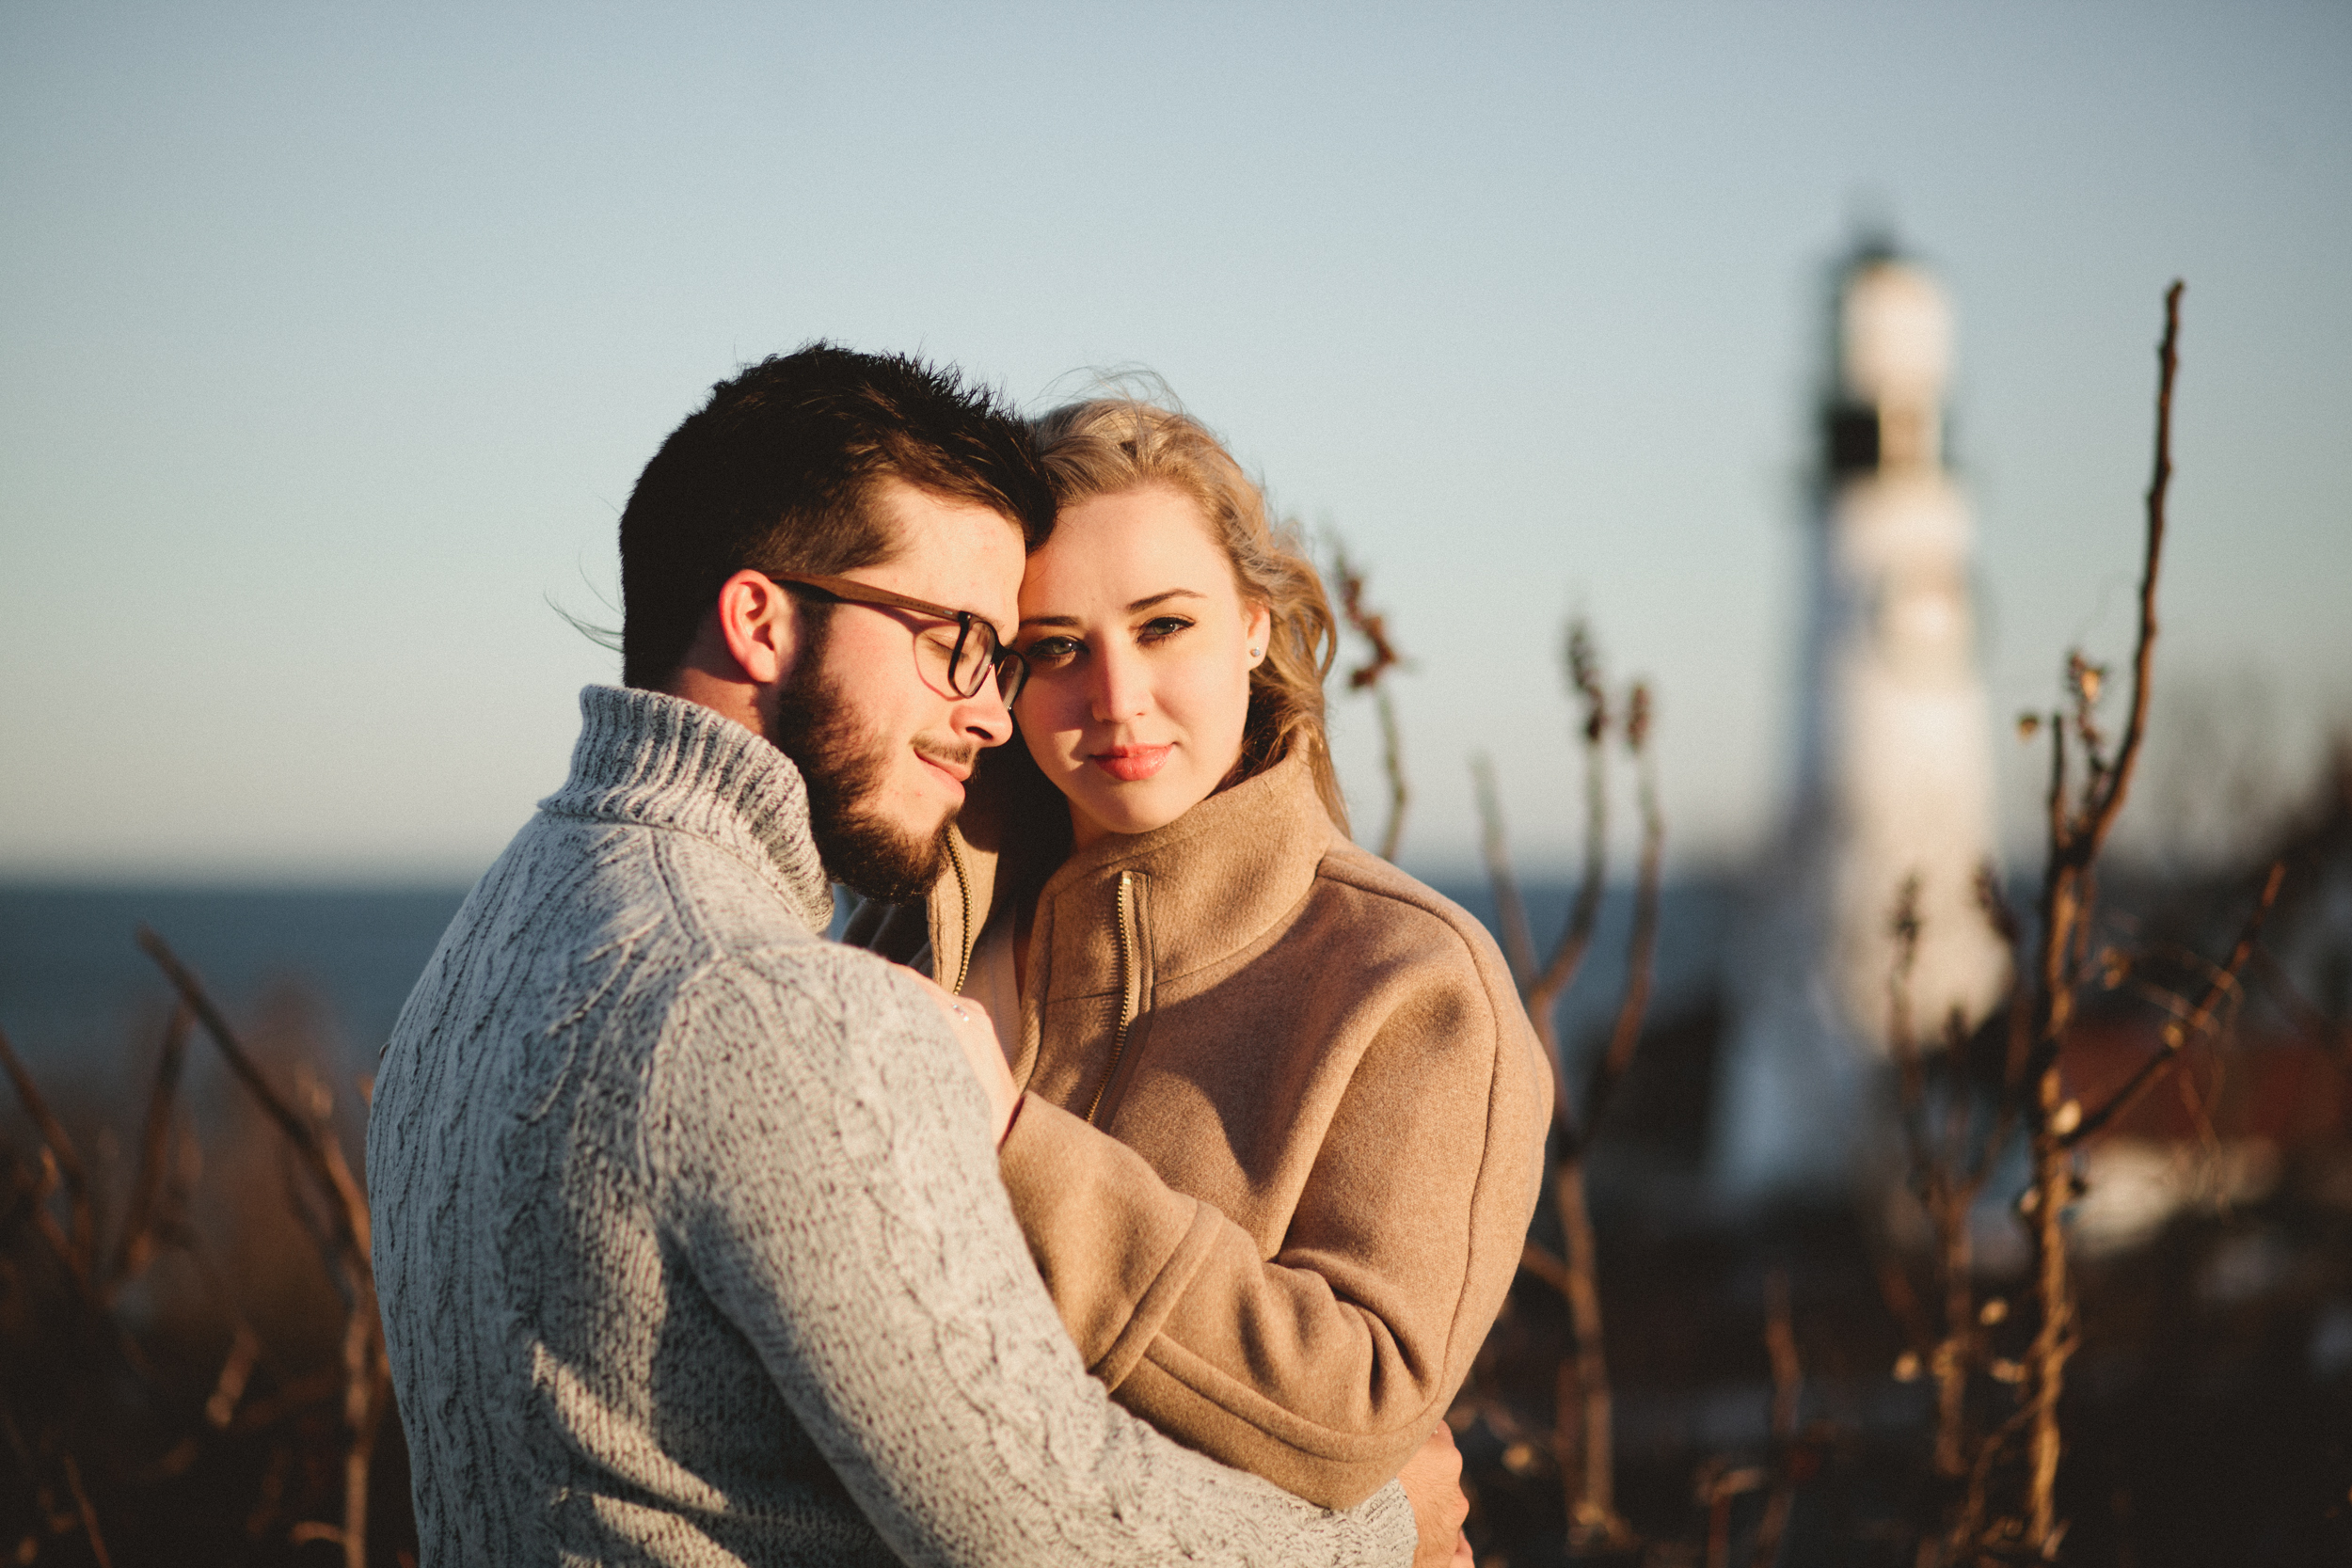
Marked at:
<point>1283,1115</point>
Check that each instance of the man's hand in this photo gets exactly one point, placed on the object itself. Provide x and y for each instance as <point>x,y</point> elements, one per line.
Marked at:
<point>969,1022</point>
<point>1432,1480</point>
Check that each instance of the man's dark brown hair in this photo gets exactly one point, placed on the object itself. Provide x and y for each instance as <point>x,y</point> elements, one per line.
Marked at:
<point>774,474</point>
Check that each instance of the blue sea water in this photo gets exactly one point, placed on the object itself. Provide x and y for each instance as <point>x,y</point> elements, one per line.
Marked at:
<point>75,989</point>
<point>78,997</point>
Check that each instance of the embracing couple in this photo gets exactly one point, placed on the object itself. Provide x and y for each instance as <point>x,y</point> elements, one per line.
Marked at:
<point>1136,1182</point>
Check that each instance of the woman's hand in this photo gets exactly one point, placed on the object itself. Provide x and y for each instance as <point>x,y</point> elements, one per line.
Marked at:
<point>969,1022</point>
<point>1432,1480</point>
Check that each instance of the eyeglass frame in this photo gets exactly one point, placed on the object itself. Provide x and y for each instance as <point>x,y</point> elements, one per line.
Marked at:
<point>850,591</point>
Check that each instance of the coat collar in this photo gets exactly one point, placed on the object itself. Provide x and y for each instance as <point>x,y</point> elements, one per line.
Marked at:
<point>1222,875</point>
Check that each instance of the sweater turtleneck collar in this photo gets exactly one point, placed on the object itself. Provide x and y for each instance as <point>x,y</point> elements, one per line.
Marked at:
<point>659,761</point>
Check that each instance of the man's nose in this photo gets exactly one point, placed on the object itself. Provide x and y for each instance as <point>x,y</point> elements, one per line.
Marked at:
<point>983,715</point>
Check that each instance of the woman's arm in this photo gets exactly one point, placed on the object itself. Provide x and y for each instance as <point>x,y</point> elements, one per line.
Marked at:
<point>1323,1367</point>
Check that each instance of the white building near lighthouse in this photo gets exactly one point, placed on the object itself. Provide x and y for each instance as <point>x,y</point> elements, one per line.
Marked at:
<point>1894,772</point>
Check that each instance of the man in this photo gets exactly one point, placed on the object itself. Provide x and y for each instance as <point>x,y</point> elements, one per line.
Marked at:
<point>688,1229</point>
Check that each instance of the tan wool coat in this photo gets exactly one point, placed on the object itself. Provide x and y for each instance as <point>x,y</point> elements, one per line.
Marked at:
<point>1283,1120</point>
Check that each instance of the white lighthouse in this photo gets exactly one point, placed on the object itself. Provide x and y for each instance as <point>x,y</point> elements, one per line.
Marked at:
<point>1894,769</point>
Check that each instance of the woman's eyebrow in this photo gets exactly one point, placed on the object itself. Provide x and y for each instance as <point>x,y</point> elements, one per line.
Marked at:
<point>1144,604</point>
<point>1136,608</point>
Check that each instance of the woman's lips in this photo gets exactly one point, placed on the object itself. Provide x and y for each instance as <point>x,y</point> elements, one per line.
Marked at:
<point>1131,764</point>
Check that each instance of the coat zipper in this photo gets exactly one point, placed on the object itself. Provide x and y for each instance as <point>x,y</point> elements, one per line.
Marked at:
<point>963,938</point>
<point>1130,986</point>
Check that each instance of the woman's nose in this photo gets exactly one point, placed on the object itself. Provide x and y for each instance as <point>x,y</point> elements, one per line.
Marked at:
<point>1120,688</point>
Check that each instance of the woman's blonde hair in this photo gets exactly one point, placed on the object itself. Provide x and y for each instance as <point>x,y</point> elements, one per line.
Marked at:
<point>1106,446</point>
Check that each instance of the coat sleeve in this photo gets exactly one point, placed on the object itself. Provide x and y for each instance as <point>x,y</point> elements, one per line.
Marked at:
<point>821,1154</point>
<point>1322,1366</point>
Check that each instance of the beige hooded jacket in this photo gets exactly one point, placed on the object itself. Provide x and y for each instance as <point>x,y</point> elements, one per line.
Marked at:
<point>1283,1120</point>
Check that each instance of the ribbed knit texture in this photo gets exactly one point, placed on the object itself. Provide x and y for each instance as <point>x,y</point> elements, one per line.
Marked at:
<point>688,1233</point>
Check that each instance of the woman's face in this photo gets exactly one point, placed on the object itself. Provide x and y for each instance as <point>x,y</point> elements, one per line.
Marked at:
<point>1139,648</point>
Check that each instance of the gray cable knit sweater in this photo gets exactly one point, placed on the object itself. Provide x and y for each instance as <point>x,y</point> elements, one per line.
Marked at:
<point>688,1233</point>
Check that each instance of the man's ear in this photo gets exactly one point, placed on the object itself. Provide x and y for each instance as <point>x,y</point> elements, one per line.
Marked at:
<point>760,626</point>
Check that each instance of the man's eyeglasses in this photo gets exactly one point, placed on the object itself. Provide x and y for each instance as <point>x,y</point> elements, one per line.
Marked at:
<point>975,656</point>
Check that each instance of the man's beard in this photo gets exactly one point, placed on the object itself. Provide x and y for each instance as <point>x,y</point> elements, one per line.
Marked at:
<point>843,769</point>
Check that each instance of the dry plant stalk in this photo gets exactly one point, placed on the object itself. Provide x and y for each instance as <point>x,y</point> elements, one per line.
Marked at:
<point>75,1249</point>
<point>1999,1488</point>
<point>2009,1509</point>
<point>1948,1162</point>
<point>74,1244</point>
<point>2077,829</point>
<point>2191,1022</point>
<point>343,1244</point>
<point>1951,1153</point>
<point>1985,1523</point>
<point>1371,675</point>
<point>143,1219</point>
<point>1780,1348</point>
<point>77,1244</point>
<point>1584,1437</point>
<point>89,1516</point>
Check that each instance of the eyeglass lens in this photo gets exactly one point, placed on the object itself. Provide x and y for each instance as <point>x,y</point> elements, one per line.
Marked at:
<point>977,656</point>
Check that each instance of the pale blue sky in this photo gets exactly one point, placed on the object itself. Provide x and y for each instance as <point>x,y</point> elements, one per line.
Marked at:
<point>335,338</point>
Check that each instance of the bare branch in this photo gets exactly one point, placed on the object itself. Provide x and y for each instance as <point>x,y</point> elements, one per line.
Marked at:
<point>1519,944</point>
<point>366,1378</point>
<point>237,1371</point>
<point>1576,936</point>
<point>137,1242</point>
<point>1641,961</point>
<point>1901,1040</point>
<point>88,1514</point>
<point>34,1190</point>
<point>1993,901</point>
<point>1780,1346</point>
<point>1538,1259</point>
<point>2182,1032</point>
<point>83,1240</point>
<point>1392,764</point>
<point>1372,626</point>
<point>366,1394</point>
<point>2069,894</point>
<point>320,1152</point>
<point>1593,1517</point>
<point>2101,812</point>
<point>1583,1441</point>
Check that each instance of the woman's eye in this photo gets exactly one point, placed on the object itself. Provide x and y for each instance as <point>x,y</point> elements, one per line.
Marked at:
<point>1048,653</point>
<point>1161,628</point>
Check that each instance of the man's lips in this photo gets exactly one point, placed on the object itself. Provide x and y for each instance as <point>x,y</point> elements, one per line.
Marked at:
<point>956,769</point>
<point>1131,764</point>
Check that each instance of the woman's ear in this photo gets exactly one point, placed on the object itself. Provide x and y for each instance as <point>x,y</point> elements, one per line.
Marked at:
<point>1257,626</point>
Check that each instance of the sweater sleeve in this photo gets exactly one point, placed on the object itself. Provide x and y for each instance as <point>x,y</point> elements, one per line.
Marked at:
<point>1323,1366</point>
<point>818,1151</point>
